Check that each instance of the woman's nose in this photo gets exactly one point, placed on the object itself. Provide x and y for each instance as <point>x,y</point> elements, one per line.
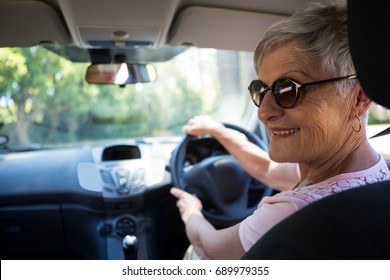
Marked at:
<point>268,108</point>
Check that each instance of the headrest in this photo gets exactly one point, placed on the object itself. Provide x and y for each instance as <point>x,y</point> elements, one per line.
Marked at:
<point>369,29</point>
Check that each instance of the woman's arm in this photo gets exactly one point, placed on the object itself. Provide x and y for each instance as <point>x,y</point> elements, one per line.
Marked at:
<point>208,242</point>
<point>279,176</point>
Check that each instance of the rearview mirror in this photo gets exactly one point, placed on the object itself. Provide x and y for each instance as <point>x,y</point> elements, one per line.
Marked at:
<point>120,73</point>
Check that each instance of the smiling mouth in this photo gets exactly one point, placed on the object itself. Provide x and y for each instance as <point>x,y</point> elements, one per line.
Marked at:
<point>285,132</point>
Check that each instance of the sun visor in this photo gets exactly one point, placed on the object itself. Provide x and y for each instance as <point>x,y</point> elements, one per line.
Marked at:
<point>220,28</point>
<point>32,23</point>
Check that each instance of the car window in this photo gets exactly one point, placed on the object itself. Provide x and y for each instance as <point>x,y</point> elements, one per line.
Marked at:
<point>44,99</point>
<point>378,121</point>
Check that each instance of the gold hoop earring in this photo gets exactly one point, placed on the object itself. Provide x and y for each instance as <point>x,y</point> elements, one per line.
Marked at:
<point>360,125</point>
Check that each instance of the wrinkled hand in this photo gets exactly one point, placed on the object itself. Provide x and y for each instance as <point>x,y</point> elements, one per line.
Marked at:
<point>187,203</point>
<point>201,125</point>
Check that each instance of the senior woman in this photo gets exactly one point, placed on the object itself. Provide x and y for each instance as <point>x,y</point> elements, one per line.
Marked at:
<point>315,112</point>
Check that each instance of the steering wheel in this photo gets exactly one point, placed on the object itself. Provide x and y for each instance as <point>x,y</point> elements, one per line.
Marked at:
<point>218,180</point>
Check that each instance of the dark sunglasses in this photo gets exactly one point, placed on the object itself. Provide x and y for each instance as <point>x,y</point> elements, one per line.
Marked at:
<point>285,91</point>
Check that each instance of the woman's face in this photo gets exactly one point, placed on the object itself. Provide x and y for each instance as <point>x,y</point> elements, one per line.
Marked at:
<point>316,128</point>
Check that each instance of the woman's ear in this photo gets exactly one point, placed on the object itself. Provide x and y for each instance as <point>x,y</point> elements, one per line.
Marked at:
<point>362,101</point>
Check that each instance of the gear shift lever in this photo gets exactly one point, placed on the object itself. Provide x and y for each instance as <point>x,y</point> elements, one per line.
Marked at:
<point>130,247</point>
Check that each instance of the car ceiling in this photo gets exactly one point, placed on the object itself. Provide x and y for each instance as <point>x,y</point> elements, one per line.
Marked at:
<point>130,24</point>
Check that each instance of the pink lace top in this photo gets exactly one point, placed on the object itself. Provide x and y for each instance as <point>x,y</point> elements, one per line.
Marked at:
<point>272,210</point>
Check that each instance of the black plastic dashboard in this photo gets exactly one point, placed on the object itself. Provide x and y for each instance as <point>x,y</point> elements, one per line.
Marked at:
<point>79,203</point>
<point>201,148</point>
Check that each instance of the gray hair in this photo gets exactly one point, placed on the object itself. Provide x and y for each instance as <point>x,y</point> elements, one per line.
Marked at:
<point>321,30</point>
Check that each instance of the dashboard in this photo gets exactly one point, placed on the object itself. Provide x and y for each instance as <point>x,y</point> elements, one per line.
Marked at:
<point>201,148</point>
<point>80,202</point>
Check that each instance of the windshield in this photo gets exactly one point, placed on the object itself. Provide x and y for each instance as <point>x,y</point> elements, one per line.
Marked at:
<point>45,101</point>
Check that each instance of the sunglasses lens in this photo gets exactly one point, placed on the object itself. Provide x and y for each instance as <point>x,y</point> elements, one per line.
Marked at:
<point>256,89</point>
<point>285,93</point>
